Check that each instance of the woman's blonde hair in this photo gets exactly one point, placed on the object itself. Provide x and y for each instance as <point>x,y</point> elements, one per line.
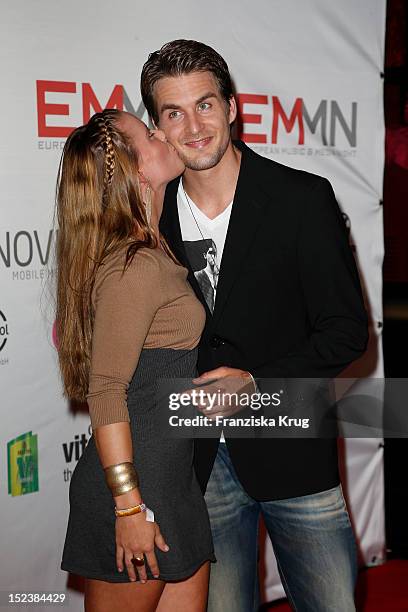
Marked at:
<point>99,210</point>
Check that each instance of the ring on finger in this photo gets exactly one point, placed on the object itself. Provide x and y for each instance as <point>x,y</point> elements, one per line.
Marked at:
<point>138,561</point>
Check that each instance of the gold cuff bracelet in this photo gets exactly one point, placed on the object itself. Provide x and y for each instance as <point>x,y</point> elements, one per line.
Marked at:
<point>121,478</point>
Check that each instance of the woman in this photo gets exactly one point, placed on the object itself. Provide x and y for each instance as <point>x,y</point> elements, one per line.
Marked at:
<point>125,317</point>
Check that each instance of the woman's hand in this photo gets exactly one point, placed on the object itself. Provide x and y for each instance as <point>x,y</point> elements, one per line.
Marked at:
<point>136,537</point>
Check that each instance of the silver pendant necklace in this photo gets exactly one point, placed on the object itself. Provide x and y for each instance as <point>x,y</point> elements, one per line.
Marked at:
<point>191,210</point>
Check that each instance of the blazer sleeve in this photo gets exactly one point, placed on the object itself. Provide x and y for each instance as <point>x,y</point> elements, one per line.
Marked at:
<point>332,293</point>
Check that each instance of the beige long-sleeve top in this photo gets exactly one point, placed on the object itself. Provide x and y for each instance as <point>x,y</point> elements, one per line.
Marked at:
<point>150,305</point>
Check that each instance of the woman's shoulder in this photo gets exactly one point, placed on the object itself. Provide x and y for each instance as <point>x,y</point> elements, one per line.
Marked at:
<point>144,267</point>
<point>144,257</point>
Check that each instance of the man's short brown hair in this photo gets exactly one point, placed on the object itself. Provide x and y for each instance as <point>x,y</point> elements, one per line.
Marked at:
<point>182,57</point>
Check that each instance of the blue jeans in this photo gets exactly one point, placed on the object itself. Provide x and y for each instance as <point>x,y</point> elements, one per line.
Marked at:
<point>311,536</point>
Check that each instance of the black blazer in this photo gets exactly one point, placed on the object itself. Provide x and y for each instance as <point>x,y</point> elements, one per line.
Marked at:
<point>289,304</point>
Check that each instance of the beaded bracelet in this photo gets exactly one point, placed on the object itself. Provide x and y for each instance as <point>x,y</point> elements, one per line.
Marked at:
<point>129,511</point>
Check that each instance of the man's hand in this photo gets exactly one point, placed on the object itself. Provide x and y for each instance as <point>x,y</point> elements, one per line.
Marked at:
<point>223,391</point>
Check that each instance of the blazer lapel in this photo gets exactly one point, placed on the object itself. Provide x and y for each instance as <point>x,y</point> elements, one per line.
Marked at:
<point>246,215</point>
<point>170,228</point>
<point>169,222</point>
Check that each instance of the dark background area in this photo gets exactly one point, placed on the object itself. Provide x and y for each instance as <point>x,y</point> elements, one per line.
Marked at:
<point>395,295</point>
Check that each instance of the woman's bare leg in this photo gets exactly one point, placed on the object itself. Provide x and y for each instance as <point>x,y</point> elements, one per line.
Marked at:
<point>101,596</point>
<point>188,595</point>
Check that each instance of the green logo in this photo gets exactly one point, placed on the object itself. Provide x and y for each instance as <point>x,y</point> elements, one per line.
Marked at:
<point>22,463</point>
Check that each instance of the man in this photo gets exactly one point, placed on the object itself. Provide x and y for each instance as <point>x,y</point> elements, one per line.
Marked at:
<point>288,304</point>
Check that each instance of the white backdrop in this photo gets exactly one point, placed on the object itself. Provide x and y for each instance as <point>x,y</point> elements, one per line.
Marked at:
<point>310,92</point>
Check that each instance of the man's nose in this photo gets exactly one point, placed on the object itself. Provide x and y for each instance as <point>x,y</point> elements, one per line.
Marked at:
<point>194,123</point>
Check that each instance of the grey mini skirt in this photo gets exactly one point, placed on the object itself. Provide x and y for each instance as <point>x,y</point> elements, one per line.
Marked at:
<point>168,486</point>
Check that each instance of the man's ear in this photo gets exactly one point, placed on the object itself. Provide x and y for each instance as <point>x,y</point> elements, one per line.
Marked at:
<point>232,112</point>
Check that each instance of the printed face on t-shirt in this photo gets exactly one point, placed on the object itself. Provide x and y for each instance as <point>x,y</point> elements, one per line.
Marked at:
<point>211,256</point>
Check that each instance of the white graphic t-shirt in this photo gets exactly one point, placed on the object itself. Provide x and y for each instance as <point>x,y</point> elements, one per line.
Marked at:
<point>204,241</point>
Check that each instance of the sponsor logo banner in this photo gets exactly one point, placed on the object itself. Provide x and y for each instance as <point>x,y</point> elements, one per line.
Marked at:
<point>22,463</point>
<point>27,253</point>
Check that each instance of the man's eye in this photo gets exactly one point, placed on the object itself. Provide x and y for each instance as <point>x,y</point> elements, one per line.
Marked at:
<point>173,114</point>
<point>204,106</point>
